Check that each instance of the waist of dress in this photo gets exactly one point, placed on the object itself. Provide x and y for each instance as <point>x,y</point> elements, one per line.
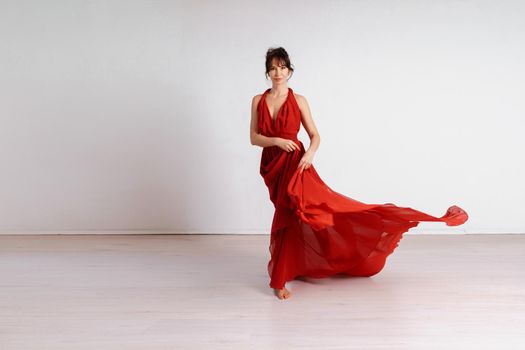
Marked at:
<point>284,135</point>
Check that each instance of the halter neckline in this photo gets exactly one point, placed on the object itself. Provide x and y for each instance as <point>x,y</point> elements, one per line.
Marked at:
<point>274,119</point>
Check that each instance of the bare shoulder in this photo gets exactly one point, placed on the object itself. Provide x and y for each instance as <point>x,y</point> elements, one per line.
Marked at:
<point>301,100</point>
<point>255,102</point>
<point>256,98</point>
<point>255,105</point>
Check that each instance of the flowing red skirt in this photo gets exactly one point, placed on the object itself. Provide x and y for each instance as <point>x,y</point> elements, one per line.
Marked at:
<point>317,232</point>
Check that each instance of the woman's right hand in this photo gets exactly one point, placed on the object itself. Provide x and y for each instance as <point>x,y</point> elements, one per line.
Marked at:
<point>286,145</point>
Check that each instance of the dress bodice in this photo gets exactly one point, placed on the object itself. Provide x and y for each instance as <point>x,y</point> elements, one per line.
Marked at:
<point>286,122</point>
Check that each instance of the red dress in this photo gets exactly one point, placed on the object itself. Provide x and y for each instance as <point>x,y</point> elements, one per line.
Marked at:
<point>317,232</point>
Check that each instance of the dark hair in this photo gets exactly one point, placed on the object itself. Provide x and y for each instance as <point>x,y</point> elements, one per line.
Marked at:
<point>281,55</point>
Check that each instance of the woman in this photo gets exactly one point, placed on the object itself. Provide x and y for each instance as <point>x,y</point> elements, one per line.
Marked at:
<point>317,232</point>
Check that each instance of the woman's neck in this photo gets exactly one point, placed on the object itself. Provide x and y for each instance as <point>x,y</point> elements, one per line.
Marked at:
<point>280,90</point>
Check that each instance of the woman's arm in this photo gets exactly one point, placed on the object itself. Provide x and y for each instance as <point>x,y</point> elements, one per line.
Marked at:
<point>256,138</point>
<point>308,123</point>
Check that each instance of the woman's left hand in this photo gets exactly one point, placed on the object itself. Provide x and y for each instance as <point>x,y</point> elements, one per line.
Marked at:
<point>306,161</point>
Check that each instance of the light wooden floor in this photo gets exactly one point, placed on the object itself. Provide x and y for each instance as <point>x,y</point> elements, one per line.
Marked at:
<point>211,292</point>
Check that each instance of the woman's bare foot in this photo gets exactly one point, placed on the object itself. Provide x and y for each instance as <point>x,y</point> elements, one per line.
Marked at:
<point>283,293</point>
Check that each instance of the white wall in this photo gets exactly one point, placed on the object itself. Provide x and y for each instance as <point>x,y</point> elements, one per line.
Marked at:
<point>134,115</point>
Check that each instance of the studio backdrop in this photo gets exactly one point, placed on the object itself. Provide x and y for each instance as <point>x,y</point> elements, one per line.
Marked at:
<point>133,116</point>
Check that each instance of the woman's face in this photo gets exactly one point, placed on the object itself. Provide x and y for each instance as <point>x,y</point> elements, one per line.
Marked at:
<point>279,73</point>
